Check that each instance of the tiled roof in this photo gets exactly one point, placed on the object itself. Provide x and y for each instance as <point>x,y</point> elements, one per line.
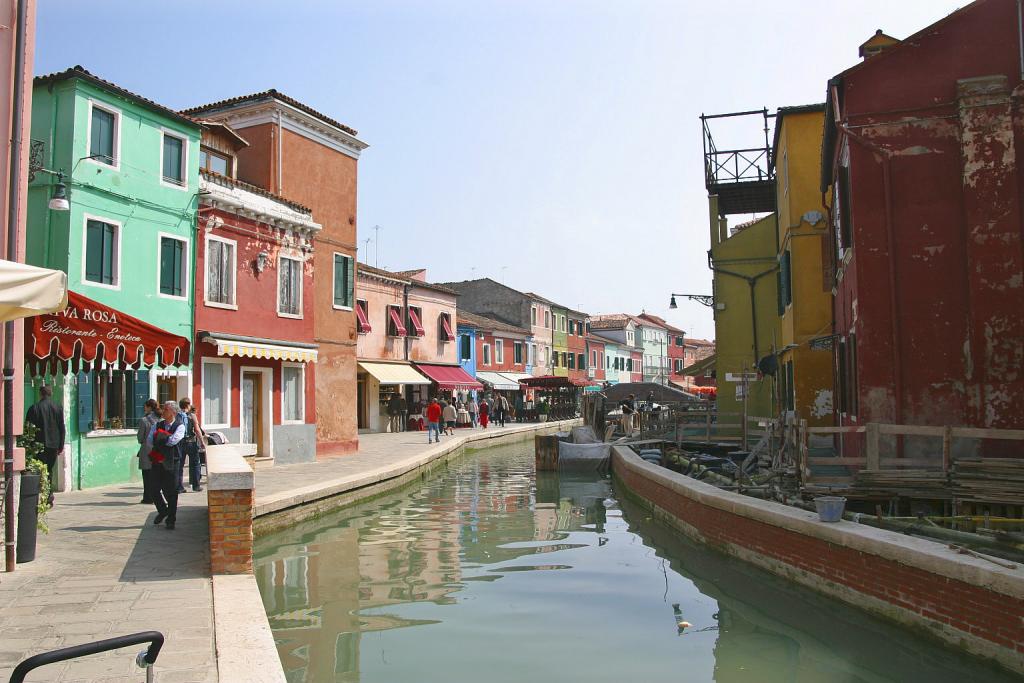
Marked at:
<point>699,342</point>
<point>401,276</point>
<point>78,71</point>
<point>255,189</point>
<point>481,322</point>
<point>267,95</point>
<point>658,320</point>
<point>541,299</point>
<point>611,321</point>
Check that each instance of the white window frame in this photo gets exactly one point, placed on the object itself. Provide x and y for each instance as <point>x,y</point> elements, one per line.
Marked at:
<point>485,358</point>
<point>234,269</point>
<point>301,262</point>
<point>226,362</point>
<point>499,351</point>
<point>164,132</point>
<point>116,166</point>
<point>302,393</point>
<point>334,284</point>
<point>533,315</point>
<point>547,319</point>
<point>86,217</point>
<point>522,358</point>
<point>184,266</point>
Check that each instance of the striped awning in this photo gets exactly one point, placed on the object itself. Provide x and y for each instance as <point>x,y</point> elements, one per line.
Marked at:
<point>230,345</point>
<point>394,373</point>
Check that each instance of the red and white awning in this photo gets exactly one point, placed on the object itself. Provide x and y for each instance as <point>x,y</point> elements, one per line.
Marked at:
<point>449,377</point>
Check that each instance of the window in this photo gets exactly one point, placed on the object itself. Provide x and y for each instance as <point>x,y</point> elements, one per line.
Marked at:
<point>547,319</point>
<point>362,310</point>
<point>499,351</point>
<point>593,358</point>
<point>344,281</point>
<point>790,387</point>
<point>220,271</point>
<point>487,355</point>
<point>465,347</point>
<point>289,287</point>
<point>173,272</point>
<point>629,364</point>
<point>531,354</point>
<point>533,315</point>
<point>785,279</point>
<point>572,361</point>
<point>104,135</point>
<point>841,209</point>
<point>565,360</point>
<point>517,353</point>
<point>444,327</point>
<point>572,327</point>
<point>293,403</point>
<point>414,321</point>
<point>102,242</point>
<point>216,162</point>
<point>216,392</point>
<point>554,359</point>
<point>561,320</point>
<point>581,361</point>
<point>680,340</point>
<point>174,159</point>
<point>396,328</point>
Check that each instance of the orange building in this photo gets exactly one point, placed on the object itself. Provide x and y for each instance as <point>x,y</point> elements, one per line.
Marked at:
<point>306,157</point>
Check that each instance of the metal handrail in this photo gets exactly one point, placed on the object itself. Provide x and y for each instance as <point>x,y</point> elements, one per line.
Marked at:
<point>144,659</point>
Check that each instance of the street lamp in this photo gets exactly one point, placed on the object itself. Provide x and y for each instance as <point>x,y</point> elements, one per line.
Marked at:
<point>59,200</point>
<point>703,299</point>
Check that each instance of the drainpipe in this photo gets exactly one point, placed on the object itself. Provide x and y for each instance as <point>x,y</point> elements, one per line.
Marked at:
<point>13,205</point>
<point>1020,35</point>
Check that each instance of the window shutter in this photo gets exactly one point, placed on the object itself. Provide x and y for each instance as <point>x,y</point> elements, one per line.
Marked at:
<point>339,280</point>
<point>140,395</point>
<point>350,281</point>
<point>778,292</point>
<point>787,277</point>
<point>85,411</point>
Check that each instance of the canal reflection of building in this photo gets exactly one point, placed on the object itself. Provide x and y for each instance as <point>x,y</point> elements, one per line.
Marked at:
<point>324,588</point>
<point>770,630</point>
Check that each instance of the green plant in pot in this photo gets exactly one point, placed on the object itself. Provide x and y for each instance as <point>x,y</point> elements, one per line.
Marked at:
<point>33,464</point>
<point>543,409</point>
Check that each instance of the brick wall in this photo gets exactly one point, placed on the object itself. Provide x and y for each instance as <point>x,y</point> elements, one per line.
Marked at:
<point>972,614</point>
<point>230,515</point>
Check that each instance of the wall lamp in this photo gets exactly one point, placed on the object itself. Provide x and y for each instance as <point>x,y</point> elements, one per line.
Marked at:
<point>60,200</point>
<point>261,261</point>
<point>703,299</point>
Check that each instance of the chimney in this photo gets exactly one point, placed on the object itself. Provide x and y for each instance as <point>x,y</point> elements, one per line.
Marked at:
<point>876,44</point>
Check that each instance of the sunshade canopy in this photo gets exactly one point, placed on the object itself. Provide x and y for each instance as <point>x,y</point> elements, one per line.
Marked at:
<point>252,347</point>
<point>394,373</point>
<point>27,290</point>
<point>498,381</point>
<point>87,331</point>
<point>449,377</point>
<point>553,382</point>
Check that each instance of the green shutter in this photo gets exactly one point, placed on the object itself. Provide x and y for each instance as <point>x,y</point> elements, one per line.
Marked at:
<point>85,411</point>
<point>140,395</point>
<point>102,135</point>
<point>94,251</point>
<point>173,152</point>
<point>350,281</point>
<point>171,256</point>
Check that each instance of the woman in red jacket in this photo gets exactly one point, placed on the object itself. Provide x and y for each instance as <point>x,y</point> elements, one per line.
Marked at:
<point>485,413</point>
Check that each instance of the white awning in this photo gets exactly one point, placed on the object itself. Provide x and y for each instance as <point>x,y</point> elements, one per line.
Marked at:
<point>498,381</point>
<point>516,376</point>
<point>394,373</point>
<point>227,346</point>
<point>27,290</point>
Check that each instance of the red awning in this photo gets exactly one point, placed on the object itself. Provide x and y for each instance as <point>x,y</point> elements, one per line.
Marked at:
<point>397,320</point>
<point>85,326</point>
<point>555,382</point>
<point>364,324</point>
<point>446,327</point>
<point>449,377</point>
<point>417,326</point>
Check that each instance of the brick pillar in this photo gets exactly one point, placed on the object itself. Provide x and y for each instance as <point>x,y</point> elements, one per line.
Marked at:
<point>230,514</point>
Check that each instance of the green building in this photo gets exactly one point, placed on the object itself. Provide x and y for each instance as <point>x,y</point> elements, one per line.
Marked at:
<point>127,243</point>
<point>560,340</point>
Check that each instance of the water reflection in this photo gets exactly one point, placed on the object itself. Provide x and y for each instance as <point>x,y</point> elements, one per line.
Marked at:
<point>485,572</point>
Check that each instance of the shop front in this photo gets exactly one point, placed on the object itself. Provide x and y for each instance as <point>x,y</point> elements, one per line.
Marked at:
<point>102,365</point>
<point>378,382</point>
<point>556,396</point>
<point>447,382</point>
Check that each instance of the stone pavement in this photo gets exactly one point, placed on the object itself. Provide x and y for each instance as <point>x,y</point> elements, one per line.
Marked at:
<point>105,570</point>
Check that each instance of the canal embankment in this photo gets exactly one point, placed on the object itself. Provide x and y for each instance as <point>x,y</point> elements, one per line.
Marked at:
<point>968,602</point>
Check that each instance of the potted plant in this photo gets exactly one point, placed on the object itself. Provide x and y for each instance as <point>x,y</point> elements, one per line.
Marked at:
<point>35,495</point>
<point>542,411</point>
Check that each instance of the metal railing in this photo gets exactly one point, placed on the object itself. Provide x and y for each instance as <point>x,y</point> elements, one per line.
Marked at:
<point>145,659</point>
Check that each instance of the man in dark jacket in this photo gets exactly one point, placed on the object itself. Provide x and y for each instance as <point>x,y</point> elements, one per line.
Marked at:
<point>48,418</point>
<point>166,436</point>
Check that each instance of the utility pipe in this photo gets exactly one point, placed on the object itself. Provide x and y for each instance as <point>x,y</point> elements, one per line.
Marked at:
<point>13,206</point>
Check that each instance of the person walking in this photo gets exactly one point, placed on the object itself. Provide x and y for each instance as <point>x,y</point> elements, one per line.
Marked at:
<point>48,418</point>
<point>450,416</point>
<point>165,438</point>
<point>472,408</point>
<point>195,441</point>
<point>433,421</point>
<point>151,417</point>
<point>394,413</point>
<point>403,414</point>
<point>628,406</point>
<point>485,414</point>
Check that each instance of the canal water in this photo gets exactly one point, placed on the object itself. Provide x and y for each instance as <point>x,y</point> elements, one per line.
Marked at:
<point>485,572</point>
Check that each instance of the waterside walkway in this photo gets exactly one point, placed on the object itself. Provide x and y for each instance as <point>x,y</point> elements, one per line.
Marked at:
<point>104,569</point>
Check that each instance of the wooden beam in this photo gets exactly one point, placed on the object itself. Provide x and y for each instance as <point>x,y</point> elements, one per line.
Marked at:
<point>872,439</point>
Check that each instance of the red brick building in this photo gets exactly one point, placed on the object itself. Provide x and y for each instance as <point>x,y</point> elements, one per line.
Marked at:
<point>596,357</point>
<point>254,350</point>
<point>307,157</point>
<point>922,153</point>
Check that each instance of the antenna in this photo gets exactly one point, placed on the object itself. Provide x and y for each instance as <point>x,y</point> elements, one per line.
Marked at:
<point>376,246</point>
<point>366,247</point>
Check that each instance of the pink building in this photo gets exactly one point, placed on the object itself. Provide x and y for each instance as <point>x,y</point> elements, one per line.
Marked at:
<point>406,344</point>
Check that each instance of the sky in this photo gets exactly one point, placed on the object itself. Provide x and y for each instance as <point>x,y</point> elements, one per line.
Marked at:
<point>553,145</point>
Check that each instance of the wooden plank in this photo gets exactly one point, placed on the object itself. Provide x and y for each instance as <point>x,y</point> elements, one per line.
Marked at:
<point>910,430</point>
<point>836,430</point>
<point>973,433</point>
<point>824,460</point>
<point>947,444</point>
<point>872,433</point>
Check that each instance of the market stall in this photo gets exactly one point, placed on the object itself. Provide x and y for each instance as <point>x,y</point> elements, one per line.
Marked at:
<point>556,397</point>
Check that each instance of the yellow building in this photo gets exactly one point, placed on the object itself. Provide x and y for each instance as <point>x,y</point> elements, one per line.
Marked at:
<point>805,300</point>
<point>743,260</point>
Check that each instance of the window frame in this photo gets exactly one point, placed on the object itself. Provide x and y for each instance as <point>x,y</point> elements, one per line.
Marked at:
<point>280,271</point>
<point>334,281</point>
<point>302,394</point>
<point>465,344</point>
<point>234,272</point>
<point>103,106</point>
<point>485,355</point>
<point>225,385</point>
<point>533,316</point>
<point>547,319</point>
<point>441,335</point>
<point>118,231</point>
<point>499,351</point>
<point>397,334</point>
<point>160,237</point>
<point>365,306</point>
<point>210,151</point>
<point>168,132</point>
<point>517,353</point>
